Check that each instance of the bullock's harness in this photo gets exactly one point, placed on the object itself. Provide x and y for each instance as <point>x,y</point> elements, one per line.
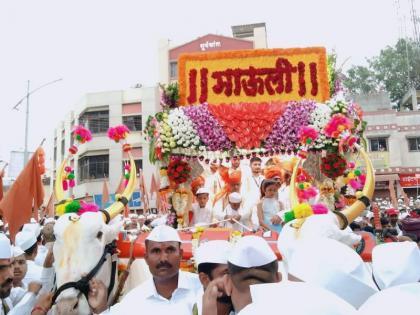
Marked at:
<point>83,284</point>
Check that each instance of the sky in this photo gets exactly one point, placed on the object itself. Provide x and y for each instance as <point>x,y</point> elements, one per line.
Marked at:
<point>111,45</point>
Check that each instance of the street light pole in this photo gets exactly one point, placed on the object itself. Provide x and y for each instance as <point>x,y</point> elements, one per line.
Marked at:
<point>26,153</point>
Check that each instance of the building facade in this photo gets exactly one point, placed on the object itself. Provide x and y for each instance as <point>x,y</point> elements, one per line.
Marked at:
<point>394,145</point>
<point>102,159</point>
<point>250,36</point>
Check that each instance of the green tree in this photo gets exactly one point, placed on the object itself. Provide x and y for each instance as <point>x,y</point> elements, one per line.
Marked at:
<point>396,69</point>
<point>361,80</point>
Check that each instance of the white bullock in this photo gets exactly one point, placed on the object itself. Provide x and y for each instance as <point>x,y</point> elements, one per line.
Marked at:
<point>80,243</point>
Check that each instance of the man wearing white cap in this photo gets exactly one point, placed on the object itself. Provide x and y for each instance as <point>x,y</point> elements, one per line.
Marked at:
<point>400,299</point>
<point>27,241</point>
<point>20,267</point>
<point>234,213</point>
<point>297,298</point>
<point>334,266</point>
<point>202,213</point>
<point>395,264</point>
<point>42,251</point>
<point>15,301</point>
<point>169,291</point>
<point>211,260</point>
<point>251,261</point>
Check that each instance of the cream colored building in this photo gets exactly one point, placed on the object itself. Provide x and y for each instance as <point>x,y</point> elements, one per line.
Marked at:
<point>249,36</point>
<point>394,144</point>
<point>102,159</point>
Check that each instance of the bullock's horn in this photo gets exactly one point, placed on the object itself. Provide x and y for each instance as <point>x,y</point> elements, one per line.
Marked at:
<point>352,212</point>
<point>293,196</point>
<point>356,208</point>
<point>58,186</point>
<point>113,210</point>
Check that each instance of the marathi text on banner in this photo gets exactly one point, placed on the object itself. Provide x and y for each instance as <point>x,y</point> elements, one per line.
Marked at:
<point>254,76</point>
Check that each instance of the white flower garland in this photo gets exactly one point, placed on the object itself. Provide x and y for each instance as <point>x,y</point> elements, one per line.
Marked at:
<point>184,134</point>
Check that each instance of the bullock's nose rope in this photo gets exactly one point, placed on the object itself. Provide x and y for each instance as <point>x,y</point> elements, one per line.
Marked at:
<point>83,284</point>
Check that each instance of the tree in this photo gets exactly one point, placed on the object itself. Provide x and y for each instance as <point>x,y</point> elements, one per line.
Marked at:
<point>396,69</point>
<point>361,80</point>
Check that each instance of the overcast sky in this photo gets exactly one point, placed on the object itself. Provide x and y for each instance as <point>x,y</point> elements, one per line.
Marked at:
<point>103,45</point>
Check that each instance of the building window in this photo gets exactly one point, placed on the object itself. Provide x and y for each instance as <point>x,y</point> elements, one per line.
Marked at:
<point>173,69</point>
<point>55,154</point>
<point>132,122</point>
<point>96,122</point>
<point>378,144</point>
<point>414,144</point>
<point>93,167</point>
<point>139,165</point>
<point>62,148</point>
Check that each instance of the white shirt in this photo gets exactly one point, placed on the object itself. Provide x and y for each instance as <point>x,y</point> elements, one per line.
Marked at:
<point>19,301</point>
<point>251,189</point>
<point>34,273</point>
<point>145,299</point>
<point>229,211</point>
<point>284,197</point>
<point>201,215</point>
<point>40,257</point>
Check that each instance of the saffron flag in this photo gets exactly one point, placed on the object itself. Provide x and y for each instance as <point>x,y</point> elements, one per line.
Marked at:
<point>1,182</point>
<point>154,186</point>
<point>105,194</point>
<point>143,191</point>
<point>49,209</point>
<point>120,187</point>
<point>25,196</point>
<point>393,194</point>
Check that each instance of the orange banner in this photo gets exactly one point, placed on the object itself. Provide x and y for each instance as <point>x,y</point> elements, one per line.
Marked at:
<point>259,75</point>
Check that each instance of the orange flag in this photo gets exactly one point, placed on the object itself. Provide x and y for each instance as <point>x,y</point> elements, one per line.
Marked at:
<point>26,193</point>
<point>1,182</point>
<point>143,191</point>
<point>392,194</point>
<point>49,209</point>
<point>105,194</point>
<point>406,200</point>
<point>154,187</point>
<point>120,187</point>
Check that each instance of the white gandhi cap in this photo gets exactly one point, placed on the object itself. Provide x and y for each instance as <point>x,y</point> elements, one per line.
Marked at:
<point>235,197</point>
<point>49,220</point>
<point>5,247</point>
<point>17,251</point>
<point>334,266</point>
<point>202,190</point>
<point>32,228</point>
<point>401,299</point>
<point>25,239</point>
<point>251,251</point>
<point>302,298</point>
<point>164,233</point>
<point>396,263</point>
<point>215,252</point>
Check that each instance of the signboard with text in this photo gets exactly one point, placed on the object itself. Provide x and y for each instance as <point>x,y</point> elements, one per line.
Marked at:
<point>410,180</point>
<point>260,75</point>
<point>134,202</point>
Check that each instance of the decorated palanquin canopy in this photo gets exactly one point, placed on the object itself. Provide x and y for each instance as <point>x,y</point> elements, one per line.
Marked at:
<point>242,103</point>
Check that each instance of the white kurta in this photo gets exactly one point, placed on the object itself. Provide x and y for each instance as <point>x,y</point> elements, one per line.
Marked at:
<point>284,197</point>
<point>34,273</point>
<point>229,211</point>
<point>40,257</point>
<point>20,302</point>
<point>201,215</point>
<point>146,300</point>
<point>251,189</point>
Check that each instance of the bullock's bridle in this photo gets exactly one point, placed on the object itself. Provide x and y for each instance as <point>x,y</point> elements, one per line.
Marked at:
<point>83,284</point>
